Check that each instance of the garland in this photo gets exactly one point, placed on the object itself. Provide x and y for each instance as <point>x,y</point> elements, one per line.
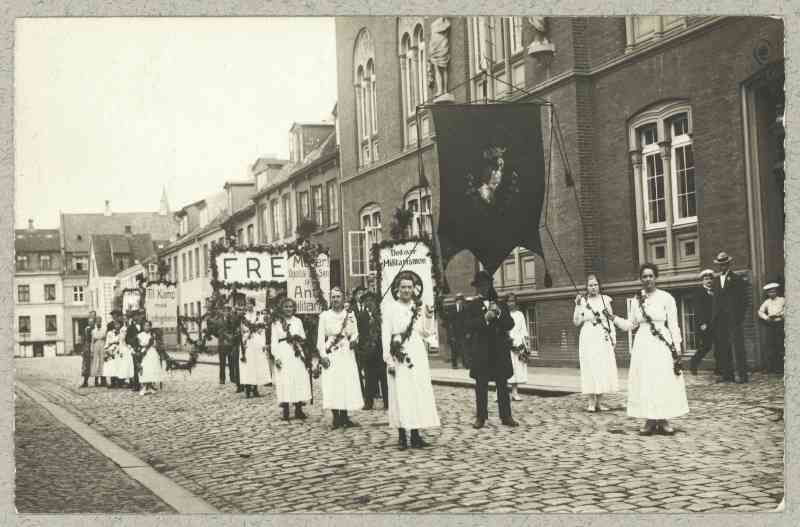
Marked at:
<point>396,347</point>
<point>375,258</point>
<point>677,367</point>
<point>340,335</point>
<point>597,320</point>
<point>296,341</point>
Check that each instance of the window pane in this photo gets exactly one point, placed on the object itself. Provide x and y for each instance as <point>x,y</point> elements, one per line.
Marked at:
<point>684,171</point>
<point>655,189</point>
<point>689,324</point>
<point>530,313</point>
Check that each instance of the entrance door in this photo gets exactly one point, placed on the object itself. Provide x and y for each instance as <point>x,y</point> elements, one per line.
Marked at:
<point>38,349</point>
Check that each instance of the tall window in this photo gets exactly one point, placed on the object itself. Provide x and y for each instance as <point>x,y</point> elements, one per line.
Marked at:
<point>50,324</point>
<point>22,262</point>
<point>45,263</point>
<point>496,47</point>
<point>304,208</point>
<point>240,236</point>
<point>317,203</point>
<point>688,322</point>
<point>365,85</point>
<point>250,234</point>
<point>361,242</point>
<point>413,76</point>
<point>24,324</point>
<point>205,259</point>
<point>191,267</point>
<point>418,201</point>
<point>175,268</point>
<point>333,202</point>
<point>662,155</point>
<point>77,294</point>
<point>197,262</point>
<point>640,29</point>
<point>286,206</point>
<point>80,263</point>
<point>371,224</point>
<point>263,218</point>
<point>183,267</point>
<point>530,314</point>
<point>275,219</point>
<point>23,294</point>
<point>49,292</point>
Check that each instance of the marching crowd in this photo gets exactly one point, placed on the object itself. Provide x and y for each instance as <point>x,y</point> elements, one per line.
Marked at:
<point>362,351</point>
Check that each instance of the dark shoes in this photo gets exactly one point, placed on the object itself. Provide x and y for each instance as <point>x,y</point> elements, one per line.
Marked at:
<point>479,423</point>
<point>402,441</point>
<point>417,441</point>
<point>509,421</point>
<point>298,412</point>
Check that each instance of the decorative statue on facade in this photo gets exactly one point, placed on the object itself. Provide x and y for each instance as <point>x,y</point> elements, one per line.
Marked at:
<point>439,55</point>
<point>541,41</point>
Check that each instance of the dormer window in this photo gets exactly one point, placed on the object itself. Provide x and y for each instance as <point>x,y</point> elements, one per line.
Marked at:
<point>128,229</point>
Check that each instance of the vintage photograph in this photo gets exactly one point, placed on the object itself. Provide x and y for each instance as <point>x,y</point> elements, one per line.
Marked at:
<point>399,264</point>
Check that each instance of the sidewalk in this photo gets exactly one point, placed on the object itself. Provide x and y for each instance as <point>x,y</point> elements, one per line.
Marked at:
<point>541,381</point>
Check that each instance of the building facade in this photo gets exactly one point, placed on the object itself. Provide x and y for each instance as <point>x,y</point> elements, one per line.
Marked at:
<point>667,157</point>
<point>75,232</point>
<point>38,290</point>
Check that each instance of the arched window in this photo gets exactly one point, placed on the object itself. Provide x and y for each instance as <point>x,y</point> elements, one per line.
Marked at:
<point>365,86</point>
<point>496,47</point>
<point>662,155</point>
<point>413,55</point>
<point>418,201</point>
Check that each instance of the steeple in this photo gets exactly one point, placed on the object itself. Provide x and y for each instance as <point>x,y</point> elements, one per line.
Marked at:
<point>164,208</point>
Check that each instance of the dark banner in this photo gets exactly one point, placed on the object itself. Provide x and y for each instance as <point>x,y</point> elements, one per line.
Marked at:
<point>491,170</point>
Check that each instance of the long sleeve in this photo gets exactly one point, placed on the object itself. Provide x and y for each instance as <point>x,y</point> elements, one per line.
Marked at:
<point>424,324</point>
<point>672,321</point>
<point>323,319</point>
<point>762,311</point>
<point>297,328</point>
<point>579,315</point>
<point>386,335</point>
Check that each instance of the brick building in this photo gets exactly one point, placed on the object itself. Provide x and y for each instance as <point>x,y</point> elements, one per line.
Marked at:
<point>672,130</point>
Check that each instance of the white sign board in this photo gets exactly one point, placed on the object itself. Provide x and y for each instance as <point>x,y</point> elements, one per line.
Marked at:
<point>248,267</point>
<point>299,285</point>
<point>161,305</point>
<point>414,257</point>
<point>130,300</point>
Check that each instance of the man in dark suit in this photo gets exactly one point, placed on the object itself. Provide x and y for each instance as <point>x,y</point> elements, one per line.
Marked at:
<point>135,326</point>
<point>357,305</point>
<point>727,317</point>
<point>703,299</point>
<point>370,351</point>
<point>489,323</point>
<point>456,332</point>
<point>86,349</point>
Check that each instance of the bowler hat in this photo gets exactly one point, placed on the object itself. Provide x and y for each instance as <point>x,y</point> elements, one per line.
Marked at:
<point>482,277</point>
<point>723,257</point>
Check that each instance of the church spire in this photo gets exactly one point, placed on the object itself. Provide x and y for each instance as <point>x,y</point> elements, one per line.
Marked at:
<point>164,208</point>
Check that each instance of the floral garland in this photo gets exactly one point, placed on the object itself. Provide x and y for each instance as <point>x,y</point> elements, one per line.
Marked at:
<point>296,341</point>
<point>597,320</point>
<point>396,347</point>
<point>340,335</point>
<point>677,367</point>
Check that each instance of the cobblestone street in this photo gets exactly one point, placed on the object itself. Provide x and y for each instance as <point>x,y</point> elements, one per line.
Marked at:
<point>58,472</point>
<point>238,456</point>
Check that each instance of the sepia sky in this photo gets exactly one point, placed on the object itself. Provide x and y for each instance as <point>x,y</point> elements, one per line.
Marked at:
<point>118,108</point>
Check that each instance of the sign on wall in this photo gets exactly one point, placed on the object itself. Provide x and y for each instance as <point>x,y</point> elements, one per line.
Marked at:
<point>300,287</point>
<point>131,300</point>
<point>250,267</point>
<point>161,304</point>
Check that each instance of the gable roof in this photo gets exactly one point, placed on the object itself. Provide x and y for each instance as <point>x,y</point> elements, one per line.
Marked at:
<point>36,240</point>
<point>107,247</point>
<point>85,226</point>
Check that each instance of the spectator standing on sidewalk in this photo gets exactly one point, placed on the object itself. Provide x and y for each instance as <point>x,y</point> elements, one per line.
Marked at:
<point>703,302</point>
<point>771,314</point>
<point>98,343</point>
<point>456,332</point>
<point>86,350</point>
<point>520,346</point>
<point>728,315</point>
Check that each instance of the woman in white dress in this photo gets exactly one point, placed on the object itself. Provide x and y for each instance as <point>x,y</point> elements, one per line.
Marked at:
<point>656,386</point>
<point>292,383</point>
<point>337,335</point>
<point>111,354</point>
<point>124,368</point>
<point>520,339</point>
<point>151,362</point>
<point>253,361</point>
<point>596,344</point>
<point>98,352</point>
<point>405,325</point>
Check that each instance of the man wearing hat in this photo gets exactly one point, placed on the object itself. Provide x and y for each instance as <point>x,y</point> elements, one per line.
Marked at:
<point>456,332</point>
<point>135,326</point>
<point>703,300</point>
<point>489,322</point>
<point>727,317</point>
<point>771,314</point>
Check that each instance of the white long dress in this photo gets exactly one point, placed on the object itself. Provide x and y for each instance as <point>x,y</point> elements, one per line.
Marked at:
<point>124,362</point>
<point>292,384</point>
<point>411,401</point>
<point>519,335</point>
<point>341,389</point>
<point>151,363</point>
<point>255,369</point>
<point>596,347</point>
<point>654,391</point>
<point>111,350</point>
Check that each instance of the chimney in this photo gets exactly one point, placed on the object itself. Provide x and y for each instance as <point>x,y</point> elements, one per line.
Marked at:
<point>30,224</point>
<point>108,208</point>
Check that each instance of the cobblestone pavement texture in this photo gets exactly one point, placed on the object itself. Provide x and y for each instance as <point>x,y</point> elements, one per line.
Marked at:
<point>58,472</point>
<point>239,456</point>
